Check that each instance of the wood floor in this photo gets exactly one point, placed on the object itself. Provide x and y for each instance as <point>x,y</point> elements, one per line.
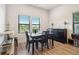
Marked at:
<point>58,49</point>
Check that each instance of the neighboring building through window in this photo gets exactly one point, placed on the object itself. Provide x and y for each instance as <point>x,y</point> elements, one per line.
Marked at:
<point>76,22</point>
<point>24,24</point>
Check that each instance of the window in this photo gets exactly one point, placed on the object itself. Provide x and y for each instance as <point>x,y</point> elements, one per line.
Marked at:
<point>24,24</point>
<point>35,24</point>
<point>76,22</point>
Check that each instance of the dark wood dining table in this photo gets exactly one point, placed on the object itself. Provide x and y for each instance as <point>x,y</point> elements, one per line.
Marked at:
<point>35,36</point>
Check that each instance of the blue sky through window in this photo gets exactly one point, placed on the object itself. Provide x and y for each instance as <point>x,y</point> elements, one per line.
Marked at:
<point>35,20</point>
<point>24,19</point>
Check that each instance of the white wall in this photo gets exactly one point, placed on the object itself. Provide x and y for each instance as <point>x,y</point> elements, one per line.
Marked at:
<point>14,10</point>
<point>63,13</point>
<point>2,21</point>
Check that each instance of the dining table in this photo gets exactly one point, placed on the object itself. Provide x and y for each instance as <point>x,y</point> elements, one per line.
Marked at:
<point>34,36</point>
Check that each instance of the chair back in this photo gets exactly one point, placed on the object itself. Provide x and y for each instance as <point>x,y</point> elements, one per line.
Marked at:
<point>27,36</point>
<point>45,33</point>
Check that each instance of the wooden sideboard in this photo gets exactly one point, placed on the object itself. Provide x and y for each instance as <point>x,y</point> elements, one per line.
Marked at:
<point>59,34</point>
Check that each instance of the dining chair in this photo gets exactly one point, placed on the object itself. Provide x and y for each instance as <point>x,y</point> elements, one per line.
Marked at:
<point>43,40</point>
<point>28,41</point>
<point>51,36</point>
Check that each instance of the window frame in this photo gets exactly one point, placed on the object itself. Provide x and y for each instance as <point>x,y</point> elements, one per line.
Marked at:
<point>74,22</point>
<point>22,24</point>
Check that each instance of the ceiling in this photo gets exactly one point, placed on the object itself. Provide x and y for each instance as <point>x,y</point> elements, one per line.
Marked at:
<point>45,6</point>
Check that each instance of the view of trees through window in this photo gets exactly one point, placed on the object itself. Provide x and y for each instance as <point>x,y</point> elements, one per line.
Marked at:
<point>24,24</point>
<point>35,24</point>
<point>76,22</point>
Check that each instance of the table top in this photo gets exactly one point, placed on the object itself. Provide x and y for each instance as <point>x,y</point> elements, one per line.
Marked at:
<point>33,34</point>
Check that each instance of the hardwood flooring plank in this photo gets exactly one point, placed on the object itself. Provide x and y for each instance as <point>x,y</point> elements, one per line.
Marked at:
<point>59,49</point>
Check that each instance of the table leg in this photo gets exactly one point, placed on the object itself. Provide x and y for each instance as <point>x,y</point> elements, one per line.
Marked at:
<point>33,48</point>
<point>47,44</point>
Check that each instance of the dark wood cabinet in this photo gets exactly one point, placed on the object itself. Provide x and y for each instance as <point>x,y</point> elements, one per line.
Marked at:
<point>59,34</point>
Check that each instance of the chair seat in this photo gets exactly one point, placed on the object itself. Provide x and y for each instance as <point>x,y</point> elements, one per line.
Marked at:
<point>32,41</point>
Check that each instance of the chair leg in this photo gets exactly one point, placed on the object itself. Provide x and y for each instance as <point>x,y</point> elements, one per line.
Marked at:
<point>28,47</point>
<point>47,44</point>
<point>36,45</point>
<point>52,43</point>
<point>42,44</point>
<point>26,44</point>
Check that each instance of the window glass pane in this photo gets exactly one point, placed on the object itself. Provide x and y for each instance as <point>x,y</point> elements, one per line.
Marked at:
<point>76,28</point>
<point>23,24</point>
<point>24,28</point>
<point>76,17</point>
<point>24,19</point>
<point>35,20</point>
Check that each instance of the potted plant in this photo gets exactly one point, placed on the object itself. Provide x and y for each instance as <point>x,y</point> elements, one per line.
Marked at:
<point>35,30</point>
